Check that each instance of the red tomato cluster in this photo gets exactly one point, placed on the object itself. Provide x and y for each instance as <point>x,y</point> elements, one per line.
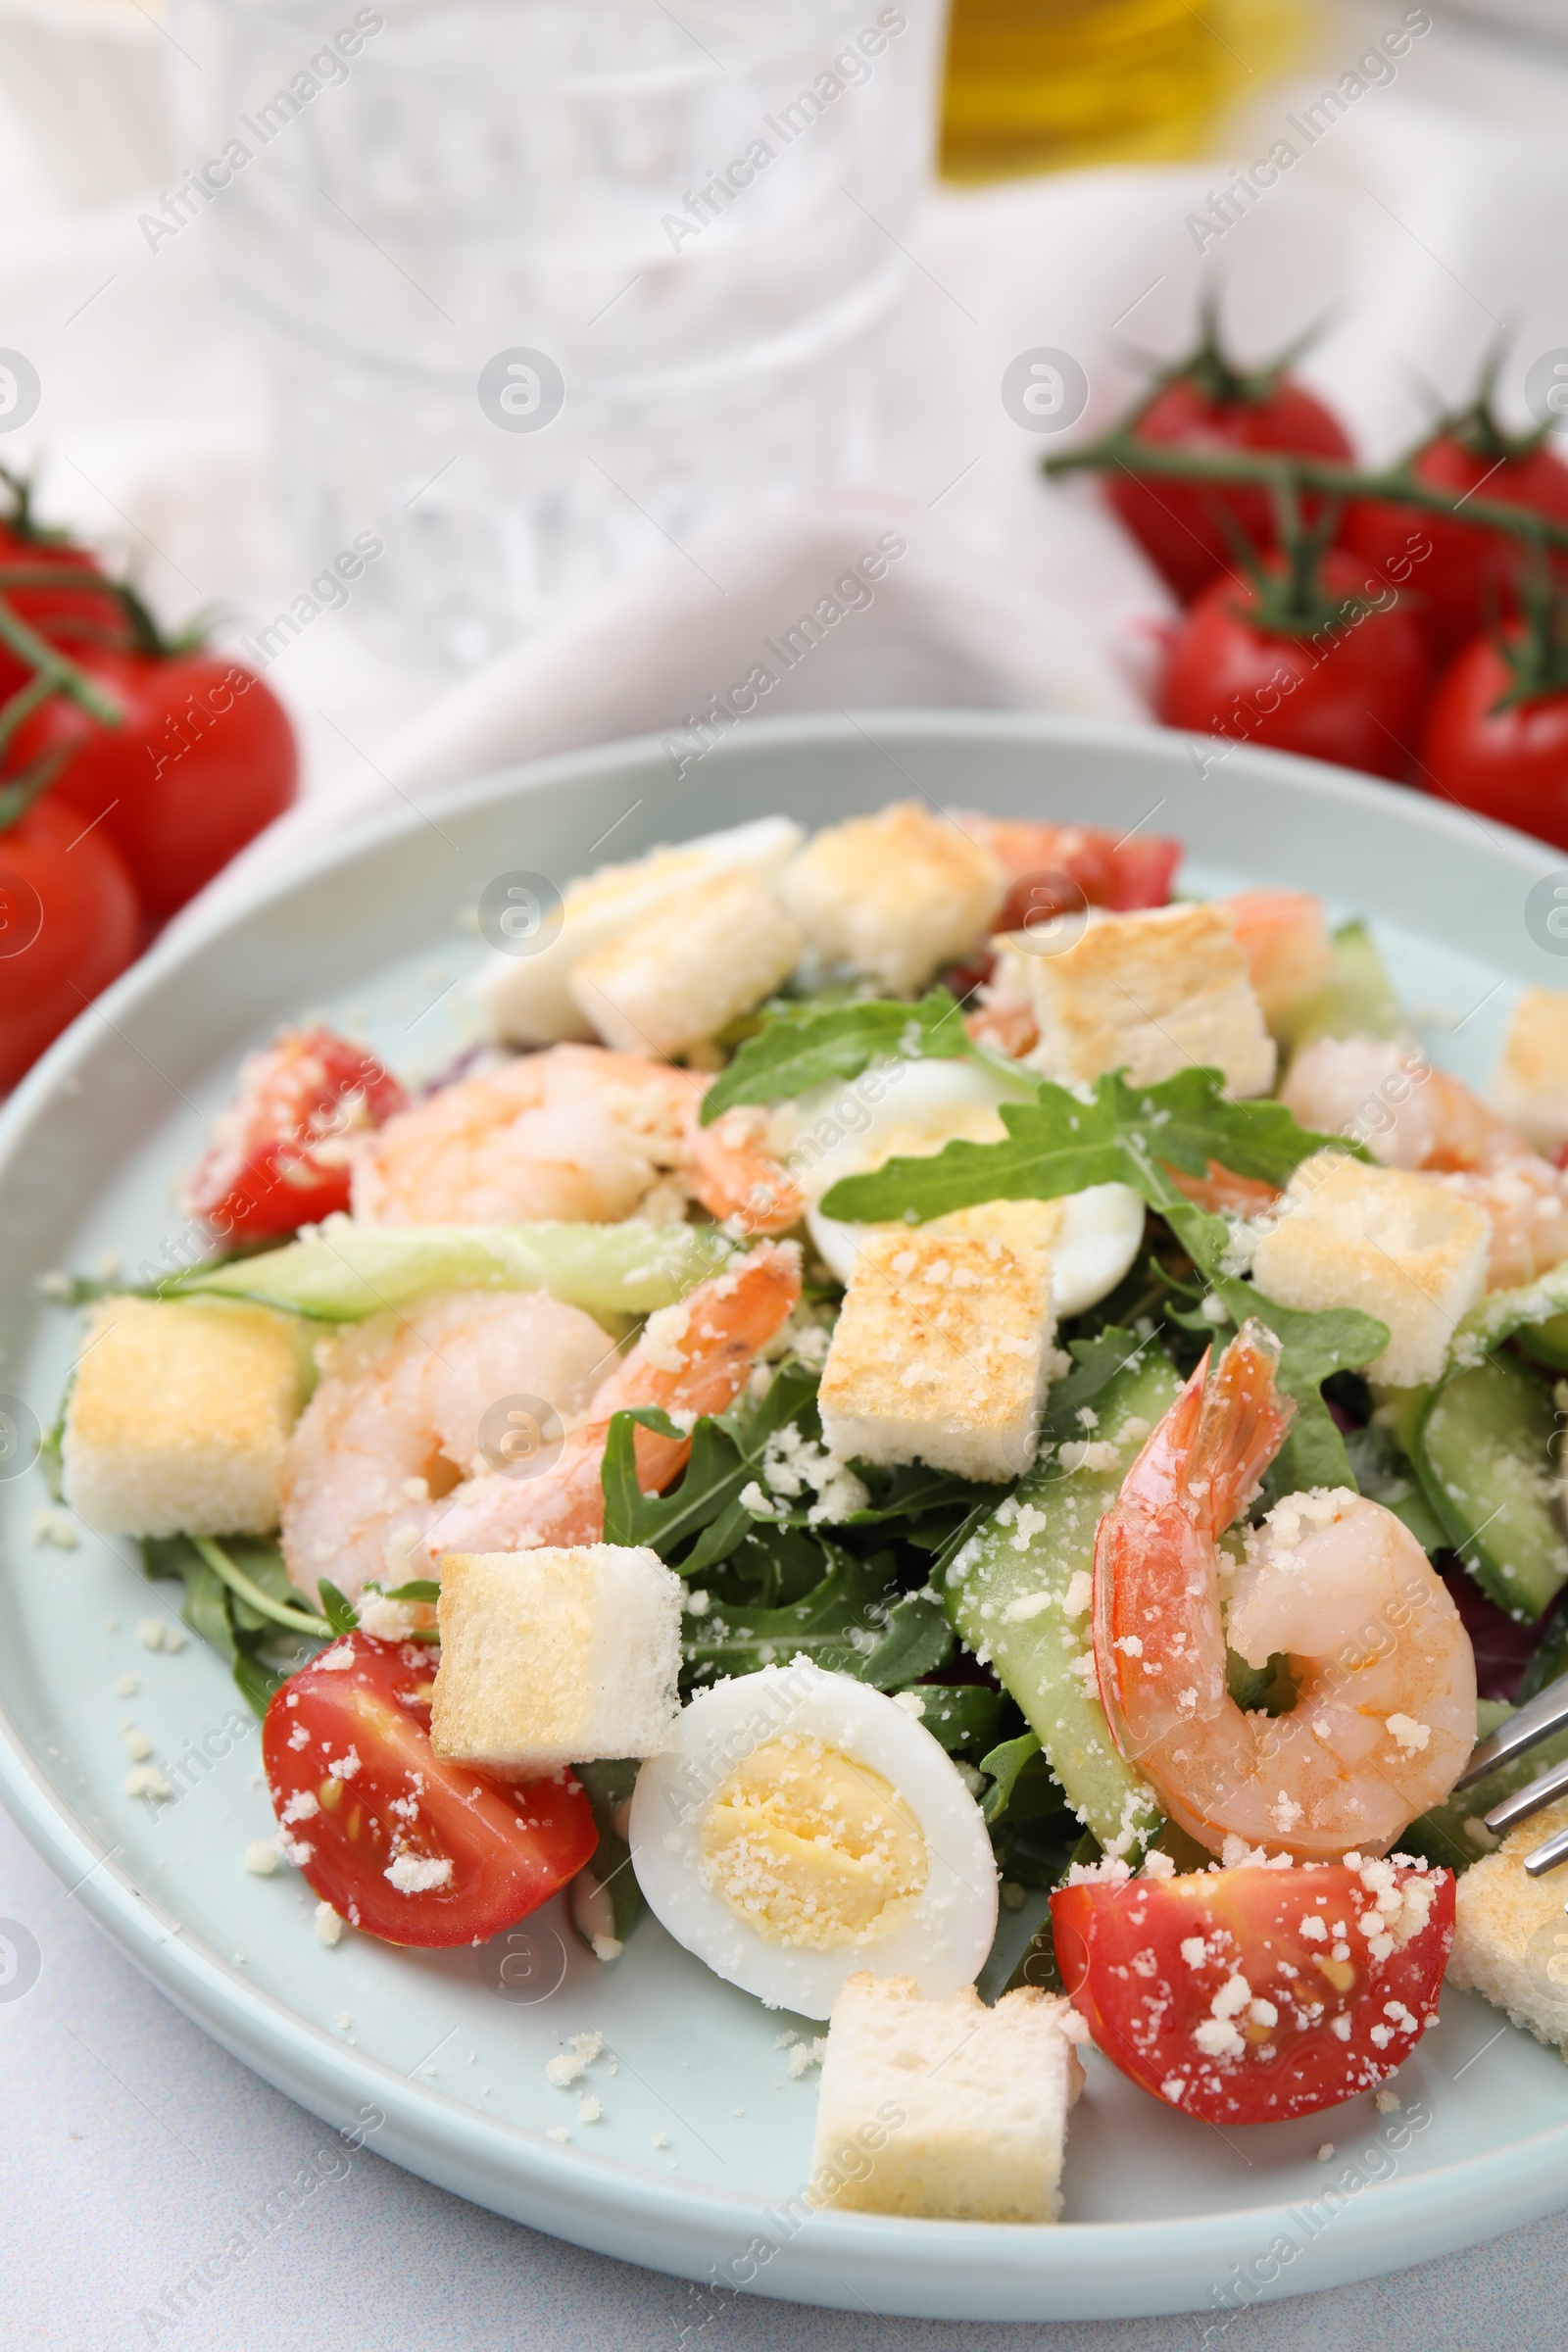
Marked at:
<point>123,786</point>
<point>1412,659</point>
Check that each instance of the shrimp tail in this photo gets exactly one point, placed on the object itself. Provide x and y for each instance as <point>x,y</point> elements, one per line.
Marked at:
<point>1242,1424</point>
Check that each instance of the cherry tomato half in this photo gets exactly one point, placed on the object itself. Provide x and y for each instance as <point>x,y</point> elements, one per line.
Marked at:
<point>1467,581</point>
<point>1350,693</point>
<point>1181,525</point>
<point>1247,1996</point>
<point>402,1844</point>
<point>1510,762</point>
<point>68,924</point>
<point>281,1159</point>
<point>203,758</point>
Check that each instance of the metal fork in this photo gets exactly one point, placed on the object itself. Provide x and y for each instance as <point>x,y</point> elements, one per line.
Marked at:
<point>1545,1714</point>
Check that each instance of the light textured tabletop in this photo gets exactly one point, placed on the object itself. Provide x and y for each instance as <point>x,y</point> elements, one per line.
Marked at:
<point>134,2149</point>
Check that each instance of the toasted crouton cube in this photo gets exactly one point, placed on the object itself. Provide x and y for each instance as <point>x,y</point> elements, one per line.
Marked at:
<point>1398,1245</point>
<point>897,894</point>
<point>1530,1088</point>
<point>946,2109</point>
<point>527,985</point>
<point>681,972</point>
<point>1151,993</point>
<point>178,1417</point>
<point>1511,1939</point>
<point>555,1657</point>
<point>942,1354</point>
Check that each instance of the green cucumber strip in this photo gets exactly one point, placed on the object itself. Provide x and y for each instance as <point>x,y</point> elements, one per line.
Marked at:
<point>1501,1314</point>
<point>1548,1341</point>
<point>346,1272</point>
<point>1484,1457</point>
<point>1028,1553</point>
<point>1356,1000</point>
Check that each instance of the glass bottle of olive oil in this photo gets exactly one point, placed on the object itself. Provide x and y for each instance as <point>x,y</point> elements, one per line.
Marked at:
<point>1033,85</point>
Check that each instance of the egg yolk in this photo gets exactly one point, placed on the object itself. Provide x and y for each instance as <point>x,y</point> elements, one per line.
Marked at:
<point>809,1848</point>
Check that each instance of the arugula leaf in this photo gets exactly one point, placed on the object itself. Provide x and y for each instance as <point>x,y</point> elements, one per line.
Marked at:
<point>805,1046</point>
<point>836,1623</point>
<point>962,1715</point>
<point>910,1490</point>
<point>336,1607</point>
<point>1096,1362</point>
<point>917,1641</point>
<point>261,1653</point>
<point>1122,1135</point>
<point>1004,1764</point>
<point>726,1455</point>
<point>1336,1338</point>
<point>608,1788</point>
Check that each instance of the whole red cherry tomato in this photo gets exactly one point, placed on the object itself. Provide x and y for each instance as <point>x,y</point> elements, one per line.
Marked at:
<point>1247,1996</point>
<point>1347,684</point>
<point>77,607</point>
<point>1502,757</point>
<point>1468,580</point>
<point>203,758</point>
<point>281,1159</point>
<point>1207,405</point>
<point>404,1844</point>
<point>68,924</point>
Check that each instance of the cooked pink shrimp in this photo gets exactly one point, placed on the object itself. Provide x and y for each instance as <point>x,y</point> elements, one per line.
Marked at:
<point>1385,1715</point>
<point>691,1358</point>
<point>1284,936</point>
<point>574,1132</point>
<point>395,1424</point>
<point>1411,1116</point>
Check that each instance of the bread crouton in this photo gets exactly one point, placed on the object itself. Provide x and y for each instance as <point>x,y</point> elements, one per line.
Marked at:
<point>1530,1086</point>
<point>1151,994</point>
<point>685,971</point>
<point>525,987</point>
<point>942,1354</point>
<point>1511,1939</point>
<point>946,2109</point>
<point>896,895</point>
<point>1398,1245</point>
<point>178,1417</point>
<point>555,1657</point>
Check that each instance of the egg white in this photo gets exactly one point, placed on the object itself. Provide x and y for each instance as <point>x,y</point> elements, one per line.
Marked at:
<point>942,1946</point>
<point>1100,1229</point>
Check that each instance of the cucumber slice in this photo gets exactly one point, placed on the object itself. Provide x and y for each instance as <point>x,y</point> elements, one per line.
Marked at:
<point>1548,1341</point>
<point>1035,1648</point>
<point>1483,1456</point>
<point>1356,1000</point>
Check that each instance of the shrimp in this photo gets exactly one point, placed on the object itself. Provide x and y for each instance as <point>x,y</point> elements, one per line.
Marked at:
<point>1385,1715</point>
<point>1413,1116</point>
<point>1284,936</point>
<point>691,1358</point>
<point>574,1132</point>
<point>396,1423</point>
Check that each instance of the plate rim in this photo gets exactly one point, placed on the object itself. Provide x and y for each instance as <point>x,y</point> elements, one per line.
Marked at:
<point>597,2201</point>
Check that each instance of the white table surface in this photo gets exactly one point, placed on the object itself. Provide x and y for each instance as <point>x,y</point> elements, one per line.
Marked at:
<point>133,2145</point>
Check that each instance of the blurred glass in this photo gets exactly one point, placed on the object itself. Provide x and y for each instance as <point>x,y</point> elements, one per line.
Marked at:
<point>553,281</point>
<point>1035,85</point>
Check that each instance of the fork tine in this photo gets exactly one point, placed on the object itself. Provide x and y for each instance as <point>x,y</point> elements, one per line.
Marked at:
<point>1534,1723</point>
<point>1548,1856</point>
<point>1529,1799</point>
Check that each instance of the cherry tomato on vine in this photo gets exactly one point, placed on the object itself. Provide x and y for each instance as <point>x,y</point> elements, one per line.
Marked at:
<point>400,1842</point>
<point>1340,679</point>
<point>1489,749</point>
<point>203,758</point>
<point>77,606</point>
<point>1209,405</point>
<point>68,924</point>
<point>1247,1996</point>
<point>281,1159</point>
<point>1468,580</point>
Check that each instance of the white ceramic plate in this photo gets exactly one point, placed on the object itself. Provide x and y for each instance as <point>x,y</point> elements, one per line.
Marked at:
<point>1161,2215</point>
